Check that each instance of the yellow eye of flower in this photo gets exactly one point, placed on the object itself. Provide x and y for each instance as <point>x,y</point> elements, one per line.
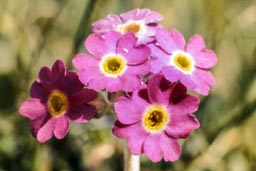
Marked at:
<point>132,27</point>
<point>183,61</point>
<point>57,103</point>
<point>113,65</point>
<point>138,27</point>
<point>155,118</point>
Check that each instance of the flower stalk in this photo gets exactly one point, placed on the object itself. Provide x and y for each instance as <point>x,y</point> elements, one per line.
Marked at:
<point>132,162</point>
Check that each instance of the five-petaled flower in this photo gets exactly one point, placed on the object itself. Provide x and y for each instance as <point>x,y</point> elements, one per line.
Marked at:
<point>155,117</point>
<point>142,22</point>
<point>188,64</point>
<point>56,98</point>
<point>117,64</point>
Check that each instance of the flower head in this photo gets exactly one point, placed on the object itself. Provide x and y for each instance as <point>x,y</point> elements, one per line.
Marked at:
<point>116,64</point>
<point>188,64</point>
<point>56,98</point>
<point>142,22</point>
<point>155,117</point>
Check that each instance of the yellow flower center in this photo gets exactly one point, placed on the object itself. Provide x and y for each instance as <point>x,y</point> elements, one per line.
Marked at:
<point>155,118</point>
<point>132,27</point>
<point>138,27</point>
<point>57,103</point>
<point>183,61</point>
<point>113,65</point>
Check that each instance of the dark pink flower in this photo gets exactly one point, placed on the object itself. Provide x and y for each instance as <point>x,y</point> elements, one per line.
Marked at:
<point>56,98</point>
<point>188,64</point>
<point>142,22</point>
<point>155,117</point>
<point>116,63</point>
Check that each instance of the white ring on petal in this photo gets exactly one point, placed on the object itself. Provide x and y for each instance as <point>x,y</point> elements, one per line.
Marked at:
<point>188,56</point>
<point>141,34</point>
<point>106,57</point>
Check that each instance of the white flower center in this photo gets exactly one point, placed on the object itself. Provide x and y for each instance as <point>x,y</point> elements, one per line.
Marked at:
<point>183,62</point>
<point>138,27</point>
<point>113,65</point>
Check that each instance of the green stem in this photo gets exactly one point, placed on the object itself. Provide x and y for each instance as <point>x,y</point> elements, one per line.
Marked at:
<point>82,30</point>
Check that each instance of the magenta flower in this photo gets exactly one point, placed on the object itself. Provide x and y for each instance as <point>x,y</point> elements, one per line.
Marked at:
<point>116,64</point>
<point>142,22</point>
<point>155,117</point>
<point>56,98</point>
<point>187,63</point>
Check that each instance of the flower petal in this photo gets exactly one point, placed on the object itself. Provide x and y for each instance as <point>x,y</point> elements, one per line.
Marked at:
<point>129,83</point>
<point>61,127</point>
<point>134,133</point>
<point>205,76</point>
<point>81,61</point>
<point>165,41</point>
<point>142,14</point>
<point>136,55</point>
<point>45,74</point>
<point>182,125</point>
<point>170,147</point>
<point>89,73</point>
<point>46,131</point>
<point>106,24</point>
<point>172,74</point>
<point>39,91</point>
<point>113,84</point>
<point>37,123</point>
<point>204,79</point>
<point>126,43</point>
<point>96,45</point>
<point>202,88</point>
<point>188,81</point>
<point>178,39</point>
<point>152,147</point>
<point>82,113</point>
<point>189,104</point>
<point>58,70</point>
<point>111,38</point>
<point>195,45</point>
<point>205,59</point>
<point>84,96</point>
<point>129,111</point>
<point>32,109</point>
<point>99,83</point>
<point>160,58</point>
<point>70,84</point>
<point>179,92</point>
<point>139,69</point>
<point>170,41</point>
<point>156,95</point>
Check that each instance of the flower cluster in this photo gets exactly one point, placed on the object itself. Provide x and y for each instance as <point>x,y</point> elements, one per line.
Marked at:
<point>153,67</point>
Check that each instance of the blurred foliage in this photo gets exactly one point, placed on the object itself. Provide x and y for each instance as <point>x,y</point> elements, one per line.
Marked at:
<point>36,33</point>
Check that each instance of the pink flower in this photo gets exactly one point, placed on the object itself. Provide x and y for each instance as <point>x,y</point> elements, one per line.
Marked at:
<point>187,63</point>
<point>142,22</point>
<point>116,64</point>
<point>155,117</point>
<point>56,98</point>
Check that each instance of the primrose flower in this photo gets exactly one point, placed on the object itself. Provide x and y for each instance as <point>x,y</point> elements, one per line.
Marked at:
<point>188,64</point>
<point>116,64</point>
<point>56,98</point>
<point>142,22</point>
<point>155,117</point>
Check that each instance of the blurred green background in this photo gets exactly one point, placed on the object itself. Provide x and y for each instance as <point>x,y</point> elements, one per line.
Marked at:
<point>34,33</point>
